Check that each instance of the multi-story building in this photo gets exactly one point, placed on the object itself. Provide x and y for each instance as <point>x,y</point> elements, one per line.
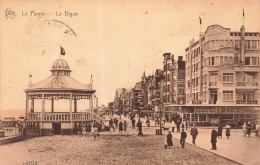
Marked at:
<point>222,75</point>
<point>168,63</point>
<point>180,83</point>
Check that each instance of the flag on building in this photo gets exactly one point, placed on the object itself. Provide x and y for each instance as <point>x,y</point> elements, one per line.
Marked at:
<point>62,51</point>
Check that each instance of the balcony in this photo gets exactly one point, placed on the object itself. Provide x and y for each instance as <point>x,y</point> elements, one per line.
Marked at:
<point>246,101</point>
<point>197,101</point>
<point>64,116</point>
<point>247,84</point>
<point>212,102</point>
<point>213,83</point>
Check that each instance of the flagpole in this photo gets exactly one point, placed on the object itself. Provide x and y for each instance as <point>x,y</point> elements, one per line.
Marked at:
<point>243,16</point>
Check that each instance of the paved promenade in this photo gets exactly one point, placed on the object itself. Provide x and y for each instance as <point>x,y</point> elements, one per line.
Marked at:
<point>238,148</point>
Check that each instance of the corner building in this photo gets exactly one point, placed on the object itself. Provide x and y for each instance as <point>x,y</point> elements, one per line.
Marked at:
<point>222,76</point>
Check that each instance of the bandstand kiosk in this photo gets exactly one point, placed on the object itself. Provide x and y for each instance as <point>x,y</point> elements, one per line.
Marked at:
<point>60,85</point>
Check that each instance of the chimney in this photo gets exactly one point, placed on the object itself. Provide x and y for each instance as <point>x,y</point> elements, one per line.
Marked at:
<point>242,45</point>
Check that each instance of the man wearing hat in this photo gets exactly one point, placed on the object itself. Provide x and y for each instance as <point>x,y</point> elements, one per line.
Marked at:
<point>214,135</point>
<point>194,133</point>
<point>183,137</point>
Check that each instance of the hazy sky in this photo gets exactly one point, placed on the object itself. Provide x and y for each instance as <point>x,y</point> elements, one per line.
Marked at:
<point>116,40</point>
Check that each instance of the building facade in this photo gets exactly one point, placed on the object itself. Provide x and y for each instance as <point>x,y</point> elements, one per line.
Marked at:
<point>222,75</point>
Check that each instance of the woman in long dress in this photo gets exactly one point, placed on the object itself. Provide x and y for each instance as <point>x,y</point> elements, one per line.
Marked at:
<point>244,129</point>
<point>228,131</point>
<point>169,139</point>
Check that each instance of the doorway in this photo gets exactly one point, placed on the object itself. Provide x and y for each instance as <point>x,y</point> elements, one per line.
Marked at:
<point>56,127</point>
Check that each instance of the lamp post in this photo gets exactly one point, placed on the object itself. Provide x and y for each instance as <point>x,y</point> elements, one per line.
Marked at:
<point>160,119</point>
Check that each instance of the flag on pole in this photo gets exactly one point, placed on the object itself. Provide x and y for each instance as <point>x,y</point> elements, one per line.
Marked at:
<point>62,51</point>
<point>200,20</point>
<point>243,13</point>
<point>30,75</point>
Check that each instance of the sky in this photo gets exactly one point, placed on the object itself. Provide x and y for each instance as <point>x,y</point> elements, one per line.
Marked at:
<point>115,41</point>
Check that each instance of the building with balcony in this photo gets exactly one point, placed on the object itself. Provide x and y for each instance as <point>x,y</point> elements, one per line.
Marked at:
<point>43,117</point>
<point>222,75</point>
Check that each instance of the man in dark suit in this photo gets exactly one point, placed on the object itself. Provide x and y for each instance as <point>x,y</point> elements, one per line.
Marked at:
<point>183,138</point>
<point>214,135</point>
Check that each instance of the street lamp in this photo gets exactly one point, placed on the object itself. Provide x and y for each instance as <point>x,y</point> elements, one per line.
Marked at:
<point>160,119</point>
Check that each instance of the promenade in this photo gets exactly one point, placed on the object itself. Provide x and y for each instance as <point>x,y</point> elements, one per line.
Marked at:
<point>237,148</point>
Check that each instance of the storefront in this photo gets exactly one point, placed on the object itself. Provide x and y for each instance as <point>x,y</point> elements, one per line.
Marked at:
<point>215,114</point>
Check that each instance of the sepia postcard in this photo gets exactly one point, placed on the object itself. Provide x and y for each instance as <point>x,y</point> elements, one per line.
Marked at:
<point>129,82</point>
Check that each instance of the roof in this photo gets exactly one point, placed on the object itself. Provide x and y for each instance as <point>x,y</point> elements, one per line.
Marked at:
<point>60,82</point>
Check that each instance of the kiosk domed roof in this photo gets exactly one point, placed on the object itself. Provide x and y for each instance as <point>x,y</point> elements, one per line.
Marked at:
<point>60,64</point>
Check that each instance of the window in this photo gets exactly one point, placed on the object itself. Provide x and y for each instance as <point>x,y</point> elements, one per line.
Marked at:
<point>251,61</point>
<point>254,61</point>
<point>235,60</point>
<point>247,61</point>
<point>227,95</point>
<point>226,43</point>
<point>231,43</point>
<point>221,60</point>
<point>221,43</point>
<point>226,59</point>
<point>212,62</point>
<point>236,44</point>
<point>188,83</point>
<point>228,77</point>
<point>231,60</point>
<point>254,45</point>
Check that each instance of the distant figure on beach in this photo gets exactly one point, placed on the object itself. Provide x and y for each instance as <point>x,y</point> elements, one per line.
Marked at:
<point>213,140</point>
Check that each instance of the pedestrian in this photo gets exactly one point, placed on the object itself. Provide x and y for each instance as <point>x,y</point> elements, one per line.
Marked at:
<point>111,122</point>
<point>183,138</point>
<point>244,129</point>
<point>139,125</point>
<point>133,123</point>
<point>116,122</point>
<point>228,130</point>
<point>182,126</point>
<point>148,122</point>
<point>169,140</point>
<point>220,129</point>
<point>95,133</point>
<point>120,127</point>
<point>164,120</point>
<point>178,126</point>
<point>125,126</point>
<point>173,125</point>
<point>187,125</point>
<point>249,128</point>
<point>213,140</point>
<point>194,133</point>
<point>257,129</point>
